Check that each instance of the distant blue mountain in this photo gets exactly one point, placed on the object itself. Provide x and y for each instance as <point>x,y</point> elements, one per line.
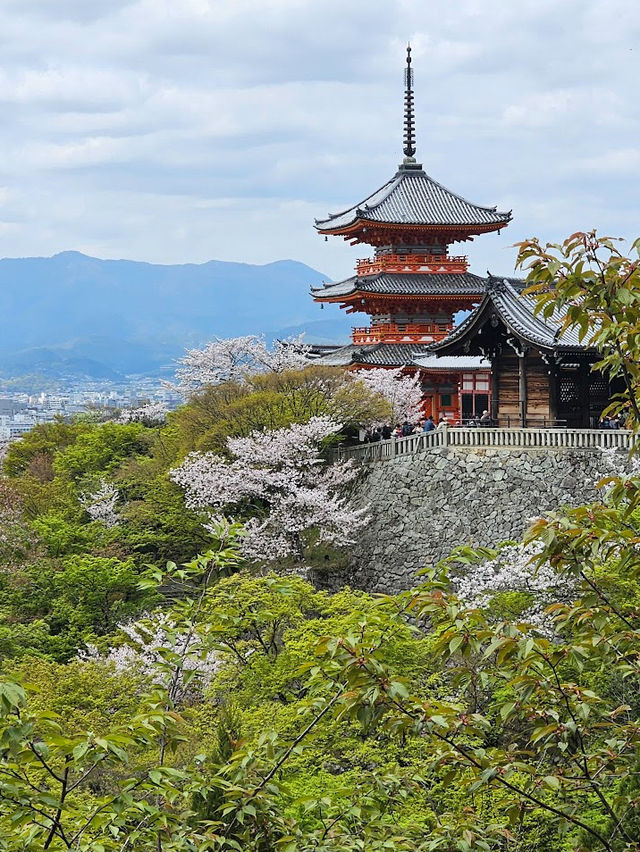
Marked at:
<point>76,315</point>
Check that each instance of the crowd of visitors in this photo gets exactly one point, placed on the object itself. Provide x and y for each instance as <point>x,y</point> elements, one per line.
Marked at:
<point>403,430</point>
<point>482,420</point>
<point>400,430</point>
<point>613,422</point>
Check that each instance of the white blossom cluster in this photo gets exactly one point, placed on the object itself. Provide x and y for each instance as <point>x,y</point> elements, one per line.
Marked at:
<point>100,505</point>
<point>280,478</point>
<point>144,654</point>
<point>154,413</point>
<point>4,448</point>
<point>514,571</point>
<point>233,359</point>
<point>621,462</point>
<point>402,391</point>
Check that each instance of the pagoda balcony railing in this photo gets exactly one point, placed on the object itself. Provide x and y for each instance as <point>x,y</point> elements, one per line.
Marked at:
<point>414,264</point>
<point>398,333</point>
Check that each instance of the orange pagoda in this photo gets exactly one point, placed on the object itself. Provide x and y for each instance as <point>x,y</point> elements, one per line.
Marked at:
<point>412,286</point>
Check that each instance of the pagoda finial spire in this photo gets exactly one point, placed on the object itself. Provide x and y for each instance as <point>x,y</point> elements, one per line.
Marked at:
<point>409,128</point>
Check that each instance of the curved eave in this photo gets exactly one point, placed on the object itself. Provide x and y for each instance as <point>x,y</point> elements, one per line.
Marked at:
<point>463,286</point>
<point>539,335</point>
<point>368,295</point>
<point>377,197</point>
<point>374,355</point>
<point>359,226</point>
<point>414,198</point>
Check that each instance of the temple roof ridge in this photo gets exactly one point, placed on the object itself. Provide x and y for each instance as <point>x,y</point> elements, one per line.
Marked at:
<point>518,313</point>
<point>374,354</point>
<point>490,208</point>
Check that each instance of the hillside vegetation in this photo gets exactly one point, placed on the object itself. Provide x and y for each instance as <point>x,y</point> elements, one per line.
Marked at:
<point>168,685</point>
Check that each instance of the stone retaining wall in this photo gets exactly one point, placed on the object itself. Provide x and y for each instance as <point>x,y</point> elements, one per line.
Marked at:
<point>423,505</point>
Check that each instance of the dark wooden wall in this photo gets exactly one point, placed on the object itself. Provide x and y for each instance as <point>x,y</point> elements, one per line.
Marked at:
<point>508,383</point>
<point>537,390</point>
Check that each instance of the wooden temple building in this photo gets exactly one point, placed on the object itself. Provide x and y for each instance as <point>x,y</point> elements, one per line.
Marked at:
<point>541,375</point>
<point>412,286</point>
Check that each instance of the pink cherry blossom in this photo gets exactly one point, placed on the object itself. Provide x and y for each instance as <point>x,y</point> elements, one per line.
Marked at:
<point>233,359</point>
<point>279,482</point>
<point>100,505</point>
<point>403,392</point>
<point>154,413</point>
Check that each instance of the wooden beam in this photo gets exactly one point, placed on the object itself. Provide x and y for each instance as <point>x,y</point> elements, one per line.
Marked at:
<point>495,389</point>
<point>522,388</point>
<point>553,392</point>
<point>584,394</point>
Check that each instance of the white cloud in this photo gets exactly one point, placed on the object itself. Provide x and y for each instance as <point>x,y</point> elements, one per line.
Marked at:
<point>178,130</point>
<point>559,106</point>
<point>620,162</point>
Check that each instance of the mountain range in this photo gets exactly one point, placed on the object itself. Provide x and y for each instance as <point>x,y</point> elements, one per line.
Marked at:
<point>77,316</point>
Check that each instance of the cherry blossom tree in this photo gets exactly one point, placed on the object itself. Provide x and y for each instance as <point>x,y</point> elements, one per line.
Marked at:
<point>231,360</point>
<point>279,484</point>
<point>516,568</point>
<point>144,649</point>
<point>402,391</point>
<point>100,505</point>
<point>152,414</point>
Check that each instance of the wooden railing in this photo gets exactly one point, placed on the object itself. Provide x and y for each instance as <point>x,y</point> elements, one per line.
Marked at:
<point>587,439</point>
<point>400,333</point>
<point>412,263</point>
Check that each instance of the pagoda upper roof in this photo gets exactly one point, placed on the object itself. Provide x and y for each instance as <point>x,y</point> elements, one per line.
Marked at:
<point>437,284</point>
<point>412,197</point>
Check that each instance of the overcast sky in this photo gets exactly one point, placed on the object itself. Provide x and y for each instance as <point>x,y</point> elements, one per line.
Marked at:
<point>185,130</point>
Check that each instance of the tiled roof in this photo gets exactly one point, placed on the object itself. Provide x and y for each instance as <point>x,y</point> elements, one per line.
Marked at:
<point>340,357</point>
<point>441,284</point>
<point>517,312</point>
<point>375,355</point>
<point>414,198</point>
<point>452,362</point>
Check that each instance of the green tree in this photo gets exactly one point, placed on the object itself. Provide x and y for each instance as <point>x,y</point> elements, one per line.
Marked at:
<point>73,600</point>
<point>273,401</point>
<point>597,288</point>
<point>73,776</point>
<point>101,449</point>
<point>538,723</point>
<point>331,722</point>
<point>40,445</point>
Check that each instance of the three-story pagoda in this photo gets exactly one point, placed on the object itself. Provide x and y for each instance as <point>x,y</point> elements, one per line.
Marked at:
<point>412,286</point>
